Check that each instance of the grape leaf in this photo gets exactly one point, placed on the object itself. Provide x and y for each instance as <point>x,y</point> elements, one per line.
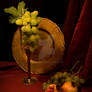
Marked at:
<point>12,19</point>
<point>11,10</point>
<point>21,6</point>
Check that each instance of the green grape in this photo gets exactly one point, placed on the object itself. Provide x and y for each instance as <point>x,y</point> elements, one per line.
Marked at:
<point>59,74</point>
<point>35,30</point>
<point>77,84</point>
<point>24,23</point>
<point>28,28</point>
<point>33,43</point>
<point>24,42</point>
<point>45,86</point>
<point>65,74</point>
<point>62,81</point>
<point>27,13</point>
<point>24,37</point>
<point>34,13</point>
<point>37,37</point>
<point>23,17</point>
<point>33,22</point>
<point>28,19</point>
<point>25,31</point>
<point>55,81</point>
<point>82,81</point>
<point>76,78</point>
<point>69,75</point>
<point>31,49</point>
<point>29,32</point>
<point>23,28</point>
<point>75,81</point>
<point>52,79</point>
<point>32,38</point>
<point>68,79</point>
<point>56,77</point>
<point>39,19</point>
<point>19,22</point>
<point>27,16</point>
<point>49,81</point>
<point>35,46</point>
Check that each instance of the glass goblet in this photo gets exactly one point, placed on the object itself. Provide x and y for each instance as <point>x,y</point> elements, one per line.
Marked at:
<point>29,79</point>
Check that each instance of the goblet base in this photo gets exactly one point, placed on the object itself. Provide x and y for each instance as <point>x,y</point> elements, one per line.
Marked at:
<point>30,81</point>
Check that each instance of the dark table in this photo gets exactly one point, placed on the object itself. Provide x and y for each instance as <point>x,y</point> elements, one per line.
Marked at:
<point>11,79</point>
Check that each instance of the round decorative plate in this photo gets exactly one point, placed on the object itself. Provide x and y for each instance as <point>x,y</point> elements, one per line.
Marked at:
<point>50,49</point>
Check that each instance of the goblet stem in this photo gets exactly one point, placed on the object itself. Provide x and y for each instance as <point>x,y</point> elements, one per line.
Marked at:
<point>29,69</point>
<point>30,79</point>
<point>28,53</point>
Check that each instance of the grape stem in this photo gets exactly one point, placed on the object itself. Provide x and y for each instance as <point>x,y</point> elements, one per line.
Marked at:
<point>74,66</point>
<point>78,71</point>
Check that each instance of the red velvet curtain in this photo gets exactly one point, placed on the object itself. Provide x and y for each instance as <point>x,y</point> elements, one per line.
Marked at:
<point>77,30</point>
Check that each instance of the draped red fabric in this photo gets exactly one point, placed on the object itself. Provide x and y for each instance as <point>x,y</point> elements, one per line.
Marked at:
<point>78,36</point>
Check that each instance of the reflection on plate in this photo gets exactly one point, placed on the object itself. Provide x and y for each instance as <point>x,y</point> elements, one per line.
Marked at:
<point>45,48</point>
<point>50,49</point>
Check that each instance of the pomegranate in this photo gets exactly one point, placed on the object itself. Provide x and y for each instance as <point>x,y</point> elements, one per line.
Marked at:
<point>68,87</point>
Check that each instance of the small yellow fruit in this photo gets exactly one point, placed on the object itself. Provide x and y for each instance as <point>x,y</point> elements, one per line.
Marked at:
<point>27,13</point>
<point>28,28</point>
<point>34,28</point>
<point>24,23</point>
<point>39,19</point>
<point>19,22</point>
<point>33,22</point>
<point>28,19</point>
<point>34,13</point>
<point>32,38</point>
<point>32,49</point>
<point>23,28</point>
<point>37,37</point>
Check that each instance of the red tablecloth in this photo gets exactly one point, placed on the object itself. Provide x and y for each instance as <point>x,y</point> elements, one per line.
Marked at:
<point>11,77</point>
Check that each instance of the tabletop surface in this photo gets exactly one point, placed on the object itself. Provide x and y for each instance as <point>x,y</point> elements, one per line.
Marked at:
<point>11,79</point>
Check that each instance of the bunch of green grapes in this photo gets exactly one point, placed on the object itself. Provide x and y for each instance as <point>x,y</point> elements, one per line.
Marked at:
<point>30,32</point>
<point>59,78</point>
<point>76,81</point>
<point>29,18</point>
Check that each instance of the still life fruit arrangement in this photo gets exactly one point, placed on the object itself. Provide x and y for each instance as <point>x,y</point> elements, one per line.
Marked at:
<point>28,24</point>
<point>64,81</point>
<point>29,32</point>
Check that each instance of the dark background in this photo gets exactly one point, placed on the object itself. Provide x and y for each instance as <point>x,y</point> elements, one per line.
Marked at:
<point>52,9</point>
